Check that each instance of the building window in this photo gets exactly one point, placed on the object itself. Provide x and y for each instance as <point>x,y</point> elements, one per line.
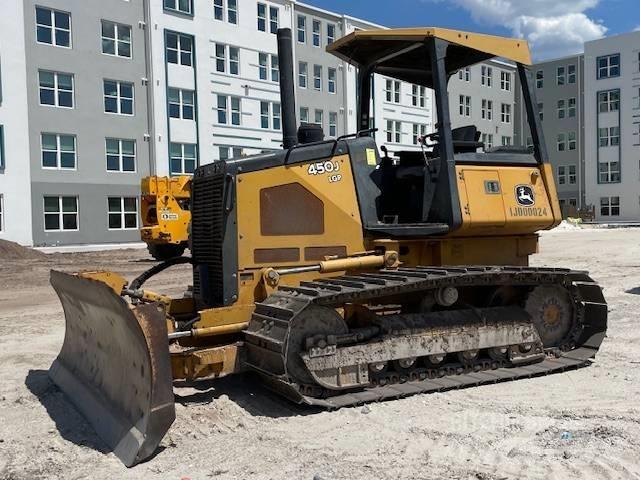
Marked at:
<point>561,109</point>
<point>487,109</point>
<point>221,58</point>
<point>333,124</point>
<point>316,32</point>
<point>118,97</point>
<point>273,18</point>
<point>123,213</point>
<point>58,151</point>
<point>609,172</point>
<point>571,110</point>
<point>179,49</point>
<point>317,77</point>
<point>218,9</point>
<point>487,140</point>
<point>561,142</point>
<point>232,11</point>
<point>609,136</point>
<point>318,117</point>
<point>233,66</point>
<point>331,76</point>
<point>506,140</point>
<point>609,206</point>
<point>465,74</point>
<point>562,175</point>
<point>539,79</point>
<point>560,76</point>
<point>181,103</point>
<point>270,115</point>
<point>56,89</point>
<point>237,152</point>
<point>505,81</point>
<point>465,105</point>
<point>609,101</point>
<point>394,131</point>
<point>226,105</point>
<point>541,111</point>
<point>571,140</point>
<point>262,17</point>
<point>53,27</point>
<point>418,96</point>
<point>571,74</point>
<point>302,74</point>
<point>302,29</point>
<point>572,175</point>
<point>182,158</point>
<point>418,131</point>
<point>608,66</point>
<point>304,115</point>
<point>331,33</point>
<point>116,39</point>
<point>60,213</point>
<point>275,69</point>
<point>486,76</point>
<point>182,6</point>
<point>392,91</point>
<point>121,155</point>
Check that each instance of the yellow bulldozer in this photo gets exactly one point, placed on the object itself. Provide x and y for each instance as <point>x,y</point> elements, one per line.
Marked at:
<point>339,276</point>
<point>165,215</point>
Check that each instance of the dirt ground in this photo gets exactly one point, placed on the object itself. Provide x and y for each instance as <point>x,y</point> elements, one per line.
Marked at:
<point>582,424</point>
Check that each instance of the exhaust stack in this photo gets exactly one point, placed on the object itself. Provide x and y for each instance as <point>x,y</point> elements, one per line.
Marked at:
<point>287,88</point>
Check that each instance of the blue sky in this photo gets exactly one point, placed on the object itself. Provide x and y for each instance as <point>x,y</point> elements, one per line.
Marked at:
<point>553,27</point>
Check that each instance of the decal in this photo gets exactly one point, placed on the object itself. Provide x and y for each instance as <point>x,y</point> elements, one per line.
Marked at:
<point>371,157</point>
<point>320,168</point>
<point>168,216</point>
<point>525,195</point>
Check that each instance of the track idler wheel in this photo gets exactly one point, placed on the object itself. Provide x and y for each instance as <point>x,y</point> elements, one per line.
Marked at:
<point>551,310</point>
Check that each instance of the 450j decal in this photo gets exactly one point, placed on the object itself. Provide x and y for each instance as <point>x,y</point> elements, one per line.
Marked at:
<point>330,167</point>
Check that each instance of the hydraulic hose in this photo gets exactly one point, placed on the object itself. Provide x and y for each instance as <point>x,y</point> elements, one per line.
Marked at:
<point>144,276</point>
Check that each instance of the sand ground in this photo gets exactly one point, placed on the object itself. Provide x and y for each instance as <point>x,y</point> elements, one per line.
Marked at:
<point>583,424</point>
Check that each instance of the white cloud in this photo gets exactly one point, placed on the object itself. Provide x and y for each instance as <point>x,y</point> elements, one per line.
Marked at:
<point>553,27</point>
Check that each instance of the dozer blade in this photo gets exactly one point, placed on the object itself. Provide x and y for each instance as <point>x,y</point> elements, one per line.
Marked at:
<point>114,366</point>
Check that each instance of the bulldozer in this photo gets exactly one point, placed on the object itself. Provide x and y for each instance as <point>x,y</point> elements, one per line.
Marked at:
<point>339,276</point>
<point>165,215</point>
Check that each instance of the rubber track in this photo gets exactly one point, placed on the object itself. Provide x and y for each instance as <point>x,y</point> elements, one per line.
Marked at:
<point>267,346</point>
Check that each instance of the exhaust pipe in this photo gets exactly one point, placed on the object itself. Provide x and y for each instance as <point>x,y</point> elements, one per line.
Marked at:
<point>287,88</point>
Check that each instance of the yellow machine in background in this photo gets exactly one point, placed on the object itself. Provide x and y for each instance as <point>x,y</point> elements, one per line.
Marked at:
<point>165,215</point>
<point>338,276</point>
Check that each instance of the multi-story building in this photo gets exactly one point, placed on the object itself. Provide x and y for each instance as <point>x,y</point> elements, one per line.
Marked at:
<point>75,79</point>
<point>612,126</point>
<point>483,95</point>
<point>320,85</point>
<point>559,92</point>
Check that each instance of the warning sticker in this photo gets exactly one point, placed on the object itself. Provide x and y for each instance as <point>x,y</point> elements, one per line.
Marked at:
<point>371,157</point>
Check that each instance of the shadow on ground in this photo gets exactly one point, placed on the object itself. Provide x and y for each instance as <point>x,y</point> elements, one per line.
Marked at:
<point>634,291</point>
<point>246,391</point>
<point>70,424</point>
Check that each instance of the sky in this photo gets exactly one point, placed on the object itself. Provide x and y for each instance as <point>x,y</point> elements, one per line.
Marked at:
<point>554,28</point>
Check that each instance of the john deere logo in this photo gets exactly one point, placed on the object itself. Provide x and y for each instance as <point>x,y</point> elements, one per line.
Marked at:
<point>525,196</point>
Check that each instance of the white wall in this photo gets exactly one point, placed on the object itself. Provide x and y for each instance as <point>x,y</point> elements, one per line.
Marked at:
<point>628,190</point>
<point>15,186</point>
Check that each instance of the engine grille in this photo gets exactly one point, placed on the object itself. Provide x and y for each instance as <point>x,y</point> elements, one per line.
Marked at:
<point>207,233</point>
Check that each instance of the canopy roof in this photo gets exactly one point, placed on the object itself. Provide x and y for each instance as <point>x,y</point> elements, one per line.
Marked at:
<point>402,53</point>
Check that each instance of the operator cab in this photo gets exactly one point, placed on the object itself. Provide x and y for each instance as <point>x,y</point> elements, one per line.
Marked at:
<point>415,193</point>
